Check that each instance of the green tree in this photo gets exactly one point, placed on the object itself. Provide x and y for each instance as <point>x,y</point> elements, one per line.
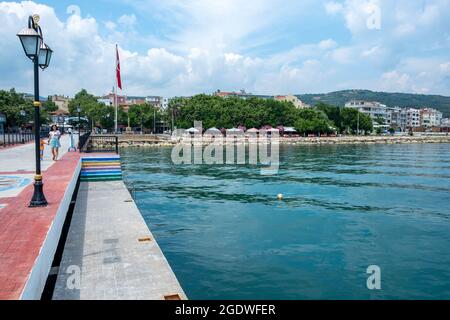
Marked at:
<point>349,121</point>
<point>230,112</point>
<point>90,108</point>
<point>145,116</point>
<point>313,121</point>
<point>18,110</point>
<point>333,113</point>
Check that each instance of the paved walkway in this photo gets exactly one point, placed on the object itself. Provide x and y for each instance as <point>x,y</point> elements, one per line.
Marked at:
<point>17,166</point>
<point>28,236</point>
<point>108,238</point>
<point>111,246</point>
<point>21,157</point>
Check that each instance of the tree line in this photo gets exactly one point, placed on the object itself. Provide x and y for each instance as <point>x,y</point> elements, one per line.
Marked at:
<point>99,114</point>
<point>19,110</point>
<point>213,111</point>
<point>230,112</point>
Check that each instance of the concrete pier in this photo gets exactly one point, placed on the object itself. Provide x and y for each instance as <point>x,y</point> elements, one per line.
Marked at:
<point>114,252</point>
<point>109,246</point>
<point>29,236</point>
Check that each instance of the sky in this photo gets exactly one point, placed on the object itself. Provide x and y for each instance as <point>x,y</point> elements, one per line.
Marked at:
<point>185,47</point>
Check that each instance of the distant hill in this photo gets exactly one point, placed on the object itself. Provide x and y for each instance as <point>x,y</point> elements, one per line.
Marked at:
<point>339,98</point>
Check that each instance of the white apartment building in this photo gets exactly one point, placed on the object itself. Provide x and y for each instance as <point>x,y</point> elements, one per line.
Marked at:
<point>445,122</point>
<point>412,118</point>
<point>374,109</point>
<point>401,118</point>
<point>165,103</point>
<point>430,118</point>
<point>396,118</point>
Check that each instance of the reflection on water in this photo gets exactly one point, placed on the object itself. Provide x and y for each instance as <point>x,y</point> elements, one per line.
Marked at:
<point>345,207</point>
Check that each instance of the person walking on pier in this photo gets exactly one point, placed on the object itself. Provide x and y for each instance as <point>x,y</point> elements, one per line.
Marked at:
<point>54,143</point>
<point>42,148</point>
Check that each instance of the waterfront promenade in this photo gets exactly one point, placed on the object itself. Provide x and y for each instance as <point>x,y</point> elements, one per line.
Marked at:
<point>29,236</point>
<point>108,239</point>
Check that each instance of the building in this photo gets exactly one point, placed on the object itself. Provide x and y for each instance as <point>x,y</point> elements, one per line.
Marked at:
<point>135,100</point>
<point>165,103</point>
<point>412,118</point>
<point>241,94</point>
<point>396,118</point>
<point>105,101</point>
<point>378,112</point>
<point>430,118</point>
<point>62,103</point>
<point>401,119</point>
<point>126,102</point>
<point>155,101</point>
<point>109,99</point>
<point>293,99</point>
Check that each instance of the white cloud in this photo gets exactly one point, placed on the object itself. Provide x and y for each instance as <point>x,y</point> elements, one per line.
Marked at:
<point>344,55</point>
<point>396,80</point>
<point>418,75</point>
<point>445,68</point>
<point>111,26</point>
<point>127,21</point>
<point>204,49</point>
<point>327,44</point>
<point>333,7</point>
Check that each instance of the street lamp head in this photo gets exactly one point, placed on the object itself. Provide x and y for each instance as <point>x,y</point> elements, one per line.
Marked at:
<point>31,40</point>
<point>45,54</point>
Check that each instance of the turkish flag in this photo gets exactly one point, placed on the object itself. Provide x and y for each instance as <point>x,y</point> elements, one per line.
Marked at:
<point>119,80</point>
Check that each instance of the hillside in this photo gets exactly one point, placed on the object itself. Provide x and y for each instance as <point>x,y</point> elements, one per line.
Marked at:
<point>339,98</point>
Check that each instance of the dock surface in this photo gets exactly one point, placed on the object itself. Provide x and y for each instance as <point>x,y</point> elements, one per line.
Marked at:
<point>108,240</point>
<point>113,250</point>
<point>29,236</point>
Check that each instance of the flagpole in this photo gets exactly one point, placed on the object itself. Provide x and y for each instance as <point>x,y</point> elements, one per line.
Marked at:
<point>115,95</point>
<point>115,109</point>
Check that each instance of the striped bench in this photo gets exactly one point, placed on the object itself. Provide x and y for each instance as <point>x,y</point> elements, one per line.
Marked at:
<point>100,169</point>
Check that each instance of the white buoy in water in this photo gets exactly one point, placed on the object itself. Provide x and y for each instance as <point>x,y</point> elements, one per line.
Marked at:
<point>280,196</point>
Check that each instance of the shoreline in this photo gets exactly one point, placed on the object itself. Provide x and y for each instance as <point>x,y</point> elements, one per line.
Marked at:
<point>151,141</point>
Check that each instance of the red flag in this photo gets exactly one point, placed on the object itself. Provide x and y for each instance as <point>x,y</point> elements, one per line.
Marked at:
<point>119,80</point>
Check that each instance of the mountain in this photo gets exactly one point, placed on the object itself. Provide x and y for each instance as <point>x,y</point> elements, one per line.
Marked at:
<point>339,98</point>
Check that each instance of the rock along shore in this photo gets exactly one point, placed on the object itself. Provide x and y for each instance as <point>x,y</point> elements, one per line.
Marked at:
<point>165,141</point>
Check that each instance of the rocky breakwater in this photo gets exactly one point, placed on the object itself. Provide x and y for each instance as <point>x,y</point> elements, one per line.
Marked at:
<point>367,140</point>
<point>137,140</point>
<point>166,141</point>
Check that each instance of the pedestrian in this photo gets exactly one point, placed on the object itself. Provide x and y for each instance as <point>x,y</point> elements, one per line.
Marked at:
<point>53,141</point>
<point>42,148</point>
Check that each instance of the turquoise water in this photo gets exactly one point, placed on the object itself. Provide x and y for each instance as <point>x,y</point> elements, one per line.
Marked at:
<point>345,207</point>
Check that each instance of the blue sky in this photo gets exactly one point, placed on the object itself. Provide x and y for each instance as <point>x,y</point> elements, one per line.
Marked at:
<point>177,47</point>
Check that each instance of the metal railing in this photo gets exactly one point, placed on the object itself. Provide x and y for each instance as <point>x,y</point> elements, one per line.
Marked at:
<point>13,138</point>
<point>101,143</point>
<point>82,143</point>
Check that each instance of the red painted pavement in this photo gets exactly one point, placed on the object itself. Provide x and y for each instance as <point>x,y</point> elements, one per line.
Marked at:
<point>23,230</point>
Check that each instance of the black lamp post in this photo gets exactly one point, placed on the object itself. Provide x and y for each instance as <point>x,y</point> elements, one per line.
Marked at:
<point>78,111</point>
<point>35,49</point>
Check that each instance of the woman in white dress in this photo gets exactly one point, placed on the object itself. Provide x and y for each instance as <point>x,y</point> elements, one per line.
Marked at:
<point>53,141</point>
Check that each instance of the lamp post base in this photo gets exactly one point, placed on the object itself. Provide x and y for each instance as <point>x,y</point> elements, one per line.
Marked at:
<point>38,199</point>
